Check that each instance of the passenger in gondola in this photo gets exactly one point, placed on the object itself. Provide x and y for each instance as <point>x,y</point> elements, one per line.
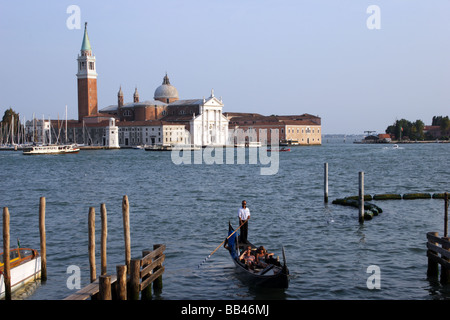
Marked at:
<point>248,258</point>
<point>263,257</point>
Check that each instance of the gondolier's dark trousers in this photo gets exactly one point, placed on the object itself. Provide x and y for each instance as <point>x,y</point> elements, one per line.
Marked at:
<point>244,233</point>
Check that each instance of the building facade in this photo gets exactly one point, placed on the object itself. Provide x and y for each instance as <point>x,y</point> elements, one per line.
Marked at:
<point>302,129</point>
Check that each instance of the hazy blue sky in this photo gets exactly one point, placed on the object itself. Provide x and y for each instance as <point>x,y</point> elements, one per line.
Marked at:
<point>268,57</point>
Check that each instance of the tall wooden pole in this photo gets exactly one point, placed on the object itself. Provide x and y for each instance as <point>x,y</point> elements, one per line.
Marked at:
<point>104,238</point>
<point>325,195</point>
<point>446,215</point>
<point>445,272</point>
<point>43,239</point>
<point>91,227</point>
<point>361,197</point>
<point>126,230</point>
<point>6,267</point>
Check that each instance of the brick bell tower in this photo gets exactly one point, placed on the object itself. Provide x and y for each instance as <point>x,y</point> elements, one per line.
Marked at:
<point>87,80</point>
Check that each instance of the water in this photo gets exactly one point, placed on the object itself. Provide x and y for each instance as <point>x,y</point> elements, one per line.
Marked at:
<point>187,207</point>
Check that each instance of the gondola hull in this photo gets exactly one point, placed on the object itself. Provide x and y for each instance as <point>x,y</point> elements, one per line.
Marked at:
<point>274,275</point>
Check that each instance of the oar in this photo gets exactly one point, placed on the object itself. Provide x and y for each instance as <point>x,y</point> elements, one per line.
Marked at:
<point>284,255</point>
<point>221,244</point>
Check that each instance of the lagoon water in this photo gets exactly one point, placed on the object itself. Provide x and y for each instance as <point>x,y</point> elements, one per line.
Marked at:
<point>187,207</point>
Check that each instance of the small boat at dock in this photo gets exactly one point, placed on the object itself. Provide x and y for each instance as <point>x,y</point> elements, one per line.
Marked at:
<point>25,264</point>
<point>272,274</point>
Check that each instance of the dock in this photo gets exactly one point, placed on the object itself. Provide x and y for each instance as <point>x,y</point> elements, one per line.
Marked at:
<point>438,250</point>
<point>133,280</point>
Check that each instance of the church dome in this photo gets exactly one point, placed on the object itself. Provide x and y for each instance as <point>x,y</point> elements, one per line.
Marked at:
<point>166,91</point>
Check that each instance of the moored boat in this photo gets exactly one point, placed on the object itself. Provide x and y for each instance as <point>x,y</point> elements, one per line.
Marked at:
<point>272,274</point>
<point>25,266</point>
<point>279,150</point>
<point>51,149</point>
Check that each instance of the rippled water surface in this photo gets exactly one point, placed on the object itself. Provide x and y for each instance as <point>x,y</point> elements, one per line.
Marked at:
<point>187,207</point>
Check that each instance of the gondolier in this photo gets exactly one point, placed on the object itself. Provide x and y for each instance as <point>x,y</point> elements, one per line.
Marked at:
<point>271,274</point>
<point>244,216</point>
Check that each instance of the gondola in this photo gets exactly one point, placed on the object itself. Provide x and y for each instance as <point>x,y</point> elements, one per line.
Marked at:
<point>274,275</point>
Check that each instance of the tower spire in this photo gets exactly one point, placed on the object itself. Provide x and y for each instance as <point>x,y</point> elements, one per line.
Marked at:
<point>86,45</point>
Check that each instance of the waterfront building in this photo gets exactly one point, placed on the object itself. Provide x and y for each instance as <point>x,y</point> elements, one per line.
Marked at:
<point>302,129</point>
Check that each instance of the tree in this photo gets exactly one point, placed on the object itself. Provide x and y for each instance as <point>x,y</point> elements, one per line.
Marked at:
<point>445,126</point>
<point>404,128</point>
<point>417,130</point>
<point>8,124</point>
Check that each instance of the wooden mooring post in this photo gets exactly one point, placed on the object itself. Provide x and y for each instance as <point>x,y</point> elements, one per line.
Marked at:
<point>104,239</point>
<point>6,262</point>
<point>325,183</point>
<point>126,230</point>
<point>446,214</point>
<point>91,244</point>
<point>134,279</point>
<point>361,197</point>
<point>42,205</point>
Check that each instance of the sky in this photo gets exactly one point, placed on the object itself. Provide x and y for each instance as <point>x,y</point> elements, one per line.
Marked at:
<point>358,69</point>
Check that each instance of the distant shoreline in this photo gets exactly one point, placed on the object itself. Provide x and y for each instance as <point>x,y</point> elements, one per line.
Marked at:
<point>401,142</point>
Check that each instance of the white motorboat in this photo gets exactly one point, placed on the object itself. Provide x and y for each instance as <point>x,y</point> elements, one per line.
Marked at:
<point>51,149</point>
<point>25,267</point>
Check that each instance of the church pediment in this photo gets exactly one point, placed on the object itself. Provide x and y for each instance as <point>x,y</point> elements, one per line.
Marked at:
<point>213,101</point>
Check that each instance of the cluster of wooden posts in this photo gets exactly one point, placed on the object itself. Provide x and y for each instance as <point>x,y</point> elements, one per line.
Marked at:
<point>133,280</point>
<point>6,247</point>
<point>438,252</point>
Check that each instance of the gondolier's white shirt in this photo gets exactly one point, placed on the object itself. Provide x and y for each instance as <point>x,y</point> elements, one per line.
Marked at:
<point>244,214</point>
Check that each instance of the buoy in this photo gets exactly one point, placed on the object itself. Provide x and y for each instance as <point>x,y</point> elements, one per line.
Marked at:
<point>409,196</point>
<point>368,215</point>
<point>367,197</point>
<point>387,196</point>
<point>370,209</point>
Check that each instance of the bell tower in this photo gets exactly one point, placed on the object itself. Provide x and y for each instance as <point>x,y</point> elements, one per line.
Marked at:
<point>87,80</point>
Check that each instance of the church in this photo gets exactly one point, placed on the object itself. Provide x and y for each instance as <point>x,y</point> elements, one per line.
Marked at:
<point>163,120</point>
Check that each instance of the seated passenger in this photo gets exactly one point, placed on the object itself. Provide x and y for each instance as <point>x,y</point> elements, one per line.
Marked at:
<point>248,258</point>
<point>262,256</point>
